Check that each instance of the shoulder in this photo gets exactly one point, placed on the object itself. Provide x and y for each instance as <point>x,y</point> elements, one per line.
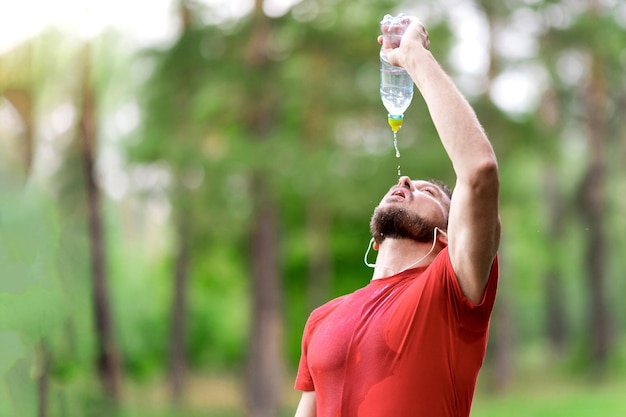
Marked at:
<point>442,272</point>
<point>318,316</point>
<point>441,265</point>
<point>324,310</point>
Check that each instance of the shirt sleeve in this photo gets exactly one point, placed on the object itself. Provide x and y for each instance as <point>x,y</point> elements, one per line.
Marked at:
<point>473,317</point>
<point>304,380</point>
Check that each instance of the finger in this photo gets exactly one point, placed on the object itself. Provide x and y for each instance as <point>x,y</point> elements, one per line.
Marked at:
<point>417,25</point>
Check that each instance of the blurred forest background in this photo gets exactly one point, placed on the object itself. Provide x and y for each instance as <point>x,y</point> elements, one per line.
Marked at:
<point>172,208</point>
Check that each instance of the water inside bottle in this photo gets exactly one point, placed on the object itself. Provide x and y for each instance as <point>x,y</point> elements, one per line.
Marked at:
<point>396,99</point>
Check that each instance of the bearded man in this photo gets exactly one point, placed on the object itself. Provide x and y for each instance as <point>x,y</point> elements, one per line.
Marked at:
<point>411,342</point>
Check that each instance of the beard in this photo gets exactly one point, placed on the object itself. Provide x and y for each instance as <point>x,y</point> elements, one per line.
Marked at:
<point>398,223</point>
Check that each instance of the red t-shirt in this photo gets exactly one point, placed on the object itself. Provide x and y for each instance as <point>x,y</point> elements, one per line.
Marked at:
<point>409,345</point>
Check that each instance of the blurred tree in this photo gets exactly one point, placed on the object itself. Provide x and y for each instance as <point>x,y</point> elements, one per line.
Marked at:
<point>588,36</point>
<point>177,138</point>
<point>182,226</point>
<point>593,204</point>
<point>17,83</point>
<point>108,357</point>
<point>573,61</point>
<point>16,87</point>
<point>557,328</point>
<point>501,345</point>
<point>265,365</point>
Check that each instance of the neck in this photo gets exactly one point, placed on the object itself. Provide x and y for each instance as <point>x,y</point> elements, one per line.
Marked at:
<point>397,255</point>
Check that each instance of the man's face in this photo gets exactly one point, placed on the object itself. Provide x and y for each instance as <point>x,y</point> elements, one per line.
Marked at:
<point>410,210</point>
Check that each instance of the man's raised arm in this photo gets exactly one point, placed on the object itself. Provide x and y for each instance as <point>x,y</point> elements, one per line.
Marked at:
<point>474,224</point>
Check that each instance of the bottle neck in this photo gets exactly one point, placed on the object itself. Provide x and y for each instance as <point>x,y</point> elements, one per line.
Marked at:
<point>383,57</point>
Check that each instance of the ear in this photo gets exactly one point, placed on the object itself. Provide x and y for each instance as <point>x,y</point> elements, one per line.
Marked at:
<point>376,246</point>
<point>442,237</point>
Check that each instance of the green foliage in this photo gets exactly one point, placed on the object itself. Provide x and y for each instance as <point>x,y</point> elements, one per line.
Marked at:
<point>34,305</point>
<point>308,118</point>
<point>220,313</point>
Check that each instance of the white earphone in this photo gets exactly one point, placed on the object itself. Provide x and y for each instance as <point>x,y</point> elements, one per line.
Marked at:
<point>369,247</point>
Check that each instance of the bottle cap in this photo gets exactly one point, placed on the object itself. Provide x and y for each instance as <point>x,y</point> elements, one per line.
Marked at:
<point>395,121</point>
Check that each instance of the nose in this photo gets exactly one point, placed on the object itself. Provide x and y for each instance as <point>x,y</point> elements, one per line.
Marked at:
<point>406,182</point>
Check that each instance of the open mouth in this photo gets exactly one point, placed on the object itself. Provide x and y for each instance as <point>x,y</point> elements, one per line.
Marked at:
<point>399,192</point>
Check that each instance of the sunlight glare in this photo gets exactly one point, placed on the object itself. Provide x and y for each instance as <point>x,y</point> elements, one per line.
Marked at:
<point>146,21</point>
<point>518,90</point>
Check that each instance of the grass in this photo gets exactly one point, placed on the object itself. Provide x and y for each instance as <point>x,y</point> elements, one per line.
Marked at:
<point>546,385</point>
<point>554,398</point>
<point>549,394</point>
<point>538,397</point>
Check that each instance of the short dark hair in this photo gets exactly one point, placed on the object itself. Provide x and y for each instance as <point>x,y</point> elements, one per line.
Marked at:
<point>446,190</point>
<point>442,185</point>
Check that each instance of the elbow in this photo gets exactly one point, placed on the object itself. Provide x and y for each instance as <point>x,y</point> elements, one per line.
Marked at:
<point>485,177</point>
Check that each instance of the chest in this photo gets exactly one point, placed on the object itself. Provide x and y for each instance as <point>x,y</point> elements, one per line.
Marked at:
<point>358,331</point>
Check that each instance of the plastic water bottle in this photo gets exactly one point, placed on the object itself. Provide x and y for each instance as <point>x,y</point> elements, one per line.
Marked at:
<point>396,86</point>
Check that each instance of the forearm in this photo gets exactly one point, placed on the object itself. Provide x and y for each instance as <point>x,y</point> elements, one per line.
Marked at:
<point>457,125</point>
<point>307,406</point>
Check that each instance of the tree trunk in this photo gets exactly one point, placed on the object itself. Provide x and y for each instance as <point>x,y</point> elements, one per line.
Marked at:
<point>500,349</point>
<point>177,354</point>
<point>501,344</point>
<point>319,255</point>
<point>592,205</point>
<point>179,309</point>
<point>316,122</point>
<point>501,335</point>
<point>556,322</point>
<point>108,361</point>
<point>265,365</point>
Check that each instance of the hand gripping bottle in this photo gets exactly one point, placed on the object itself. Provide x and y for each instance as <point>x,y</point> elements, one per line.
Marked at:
<point>396,86</point>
